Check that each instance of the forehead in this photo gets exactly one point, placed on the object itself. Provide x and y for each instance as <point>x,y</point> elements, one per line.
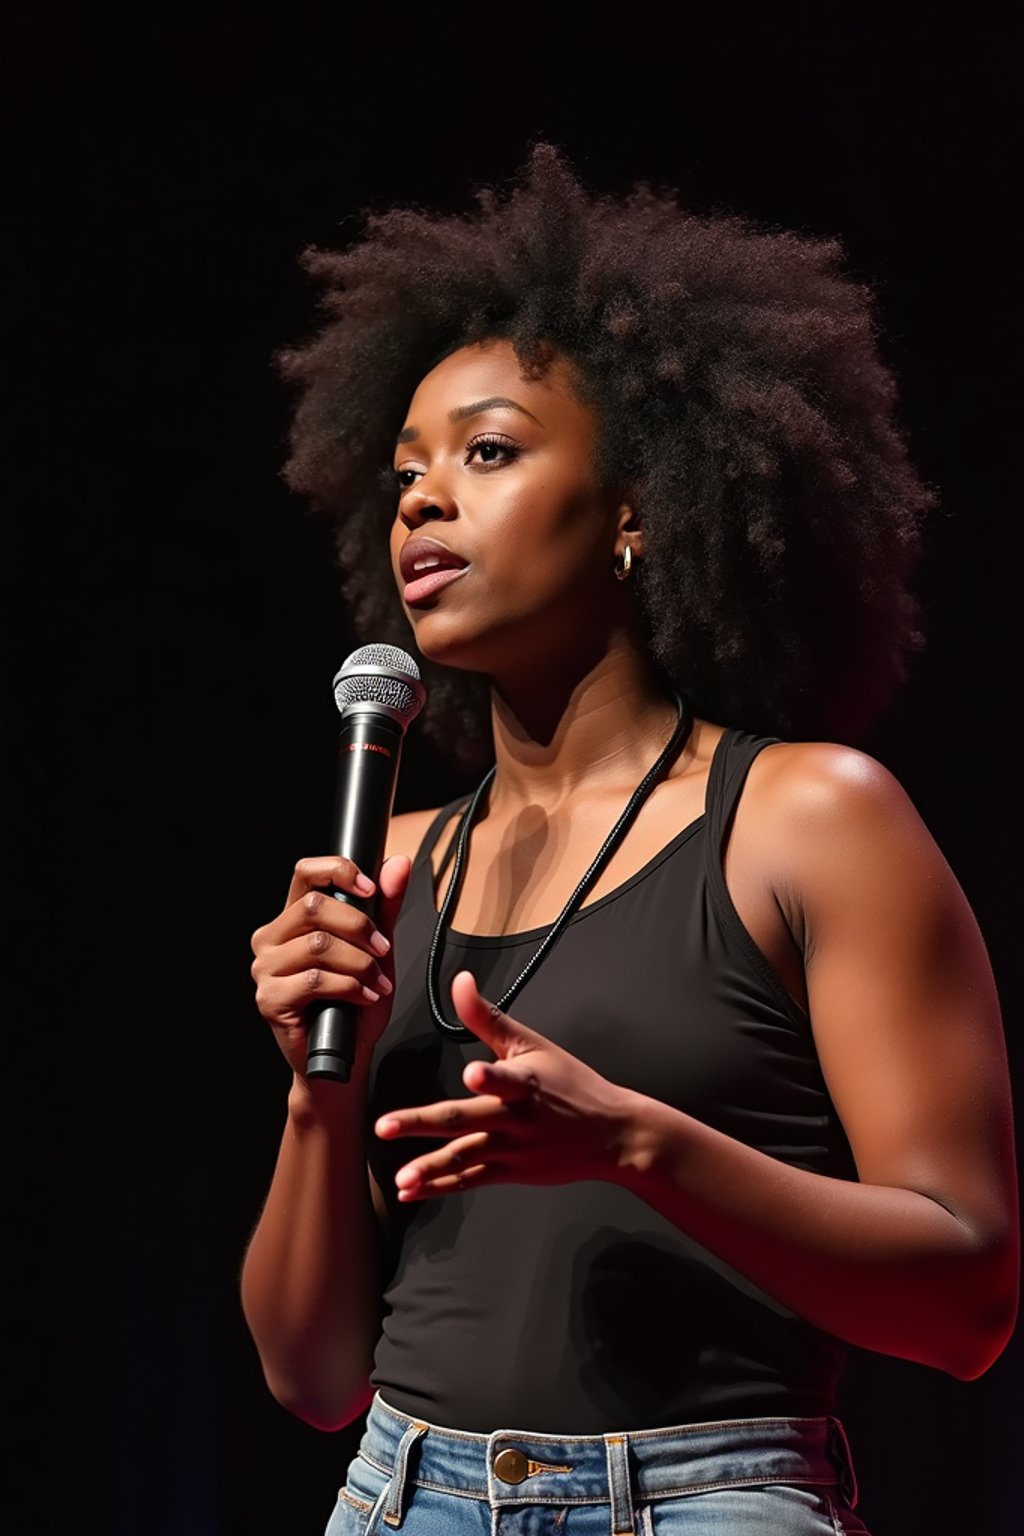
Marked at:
<point>488,369</point>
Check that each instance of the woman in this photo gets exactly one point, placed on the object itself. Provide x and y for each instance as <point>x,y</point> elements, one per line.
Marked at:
<point>651,523</point>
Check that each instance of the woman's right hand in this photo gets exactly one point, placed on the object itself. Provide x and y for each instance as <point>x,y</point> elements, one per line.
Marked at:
<point>319,948</point>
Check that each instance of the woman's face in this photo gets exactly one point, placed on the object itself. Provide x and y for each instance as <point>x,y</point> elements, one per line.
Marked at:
<point>498,471</point>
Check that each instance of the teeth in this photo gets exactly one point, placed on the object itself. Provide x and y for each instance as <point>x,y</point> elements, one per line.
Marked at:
<point>428,563</point>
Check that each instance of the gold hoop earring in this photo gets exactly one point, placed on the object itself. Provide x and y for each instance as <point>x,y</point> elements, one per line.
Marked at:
<point>624,564</point>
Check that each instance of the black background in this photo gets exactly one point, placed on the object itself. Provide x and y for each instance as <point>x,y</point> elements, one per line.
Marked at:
<point>174,624</point>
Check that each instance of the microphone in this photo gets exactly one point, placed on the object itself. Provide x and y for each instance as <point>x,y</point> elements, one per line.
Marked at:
<point>378,692</point>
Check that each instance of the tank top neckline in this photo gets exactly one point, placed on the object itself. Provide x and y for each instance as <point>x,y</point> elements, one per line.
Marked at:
<point>531,935</point>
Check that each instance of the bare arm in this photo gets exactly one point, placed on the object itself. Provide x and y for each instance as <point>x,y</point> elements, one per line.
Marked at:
<point>919,1259</point>
<point>907,1025</point>
<point>310,1281</point>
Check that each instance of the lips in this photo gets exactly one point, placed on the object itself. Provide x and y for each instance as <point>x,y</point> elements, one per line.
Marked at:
<point>429,555</point>
<point>427,565</point>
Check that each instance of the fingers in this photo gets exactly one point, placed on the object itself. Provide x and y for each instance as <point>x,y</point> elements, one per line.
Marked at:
<point>457,1166</point>
<point>318,911</point>
<point>468,1158</point>
<point>294,975</point>
<point>321,949</point>
<point>454,1118</point>
<point>334,953</point>
<point>506,1083</point>
<point>504,1098</point>
<point>310,874</point>
<point>505,1036</point>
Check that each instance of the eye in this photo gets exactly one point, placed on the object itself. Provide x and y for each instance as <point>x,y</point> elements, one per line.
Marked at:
<point>493,449</point>
<point>488,450</point>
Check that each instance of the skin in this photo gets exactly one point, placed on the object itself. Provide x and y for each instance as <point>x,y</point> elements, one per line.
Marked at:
<point>827,862</point>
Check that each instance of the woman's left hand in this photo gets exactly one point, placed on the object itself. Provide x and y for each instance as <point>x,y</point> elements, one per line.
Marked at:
<point>537,1115</point>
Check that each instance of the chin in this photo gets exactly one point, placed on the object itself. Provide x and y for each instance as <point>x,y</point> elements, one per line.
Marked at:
<point>446,645</point>
<point>450,643</point>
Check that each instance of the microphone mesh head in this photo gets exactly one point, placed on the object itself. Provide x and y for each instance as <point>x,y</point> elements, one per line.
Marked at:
<point>381,674</point>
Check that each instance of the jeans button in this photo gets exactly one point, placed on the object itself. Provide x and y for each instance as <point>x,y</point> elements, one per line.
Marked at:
<point>511,1466</point>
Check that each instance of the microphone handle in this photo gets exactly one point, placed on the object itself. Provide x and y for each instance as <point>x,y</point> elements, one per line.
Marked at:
<point>369,751</point>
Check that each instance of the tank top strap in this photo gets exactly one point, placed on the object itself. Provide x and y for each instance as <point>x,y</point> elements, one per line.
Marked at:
<point>433,832</point>
<point>730,765</point>
<point>729,768</point>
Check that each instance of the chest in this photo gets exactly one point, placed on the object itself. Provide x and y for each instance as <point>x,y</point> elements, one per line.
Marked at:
<point>519,873</point>
<point>647,986</point>
<point>520,870</point>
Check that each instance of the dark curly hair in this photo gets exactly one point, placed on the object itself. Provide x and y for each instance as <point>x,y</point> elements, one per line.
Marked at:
<point>742,399</point>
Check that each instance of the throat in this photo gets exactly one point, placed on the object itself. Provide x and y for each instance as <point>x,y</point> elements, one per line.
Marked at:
<point>521,870</point>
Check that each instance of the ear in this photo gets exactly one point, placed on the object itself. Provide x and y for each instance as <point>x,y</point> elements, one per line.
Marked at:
<point>628,530</point>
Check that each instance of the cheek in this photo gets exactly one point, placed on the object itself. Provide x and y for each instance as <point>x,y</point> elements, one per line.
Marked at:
<point>546,534</point>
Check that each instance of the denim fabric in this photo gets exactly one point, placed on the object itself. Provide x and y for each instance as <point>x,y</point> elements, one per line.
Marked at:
<point>738,1477</point>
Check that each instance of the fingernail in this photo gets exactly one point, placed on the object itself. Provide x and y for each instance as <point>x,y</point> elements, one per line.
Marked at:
<point>379,943</point>
<point>386,1126</point>
<point>406,1178</point>
<point>385,985</point>
<point>363,885</point>
<point>370,995</point>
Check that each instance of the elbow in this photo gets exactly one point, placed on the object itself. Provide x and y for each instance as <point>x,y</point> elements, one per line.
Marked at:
<point>322,1380</point>
<point>327,1409</point>
<point>986,1342</point>
<point>987,1322</point>
<point>970,1363</point>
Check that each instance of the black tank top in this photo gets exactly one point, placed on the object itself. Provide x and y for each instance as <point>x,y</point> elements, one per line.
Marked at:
<point>577,1309</point>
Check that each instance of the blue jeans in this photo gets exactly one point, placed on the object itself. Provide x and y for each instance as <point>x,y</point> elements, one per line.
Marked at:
<point>739,1477</point>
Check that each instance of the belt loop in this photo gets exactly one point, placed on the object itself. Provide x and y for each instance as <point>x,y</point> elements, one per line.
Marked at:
<point>847,1476</point>
<point>396,1487</point>
<point>616,1448</point>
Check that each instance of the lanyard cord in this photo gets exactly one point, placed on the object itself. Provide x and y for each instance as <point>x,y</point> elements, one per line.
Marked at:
<point>679,738</point>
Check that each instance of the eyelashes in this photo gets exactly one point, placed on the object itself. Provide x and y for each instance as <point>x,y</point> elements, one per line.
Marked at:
<point>491,450</point>
<point>493,440</point>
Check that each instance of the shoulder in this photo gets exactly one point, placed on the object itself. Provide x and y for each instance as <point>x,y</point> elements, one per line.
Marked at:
<point>806,788</point>
<point>831,827</point>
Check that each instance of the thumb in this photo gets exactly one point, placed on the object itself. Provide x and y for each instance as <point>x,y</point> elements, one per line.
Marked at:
<point>505,1036</point>
<point>392,886</point>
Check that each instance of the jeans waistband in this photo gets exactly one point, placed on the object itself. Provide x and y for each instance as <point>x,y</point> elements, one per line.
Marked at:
<point>514,1467</point>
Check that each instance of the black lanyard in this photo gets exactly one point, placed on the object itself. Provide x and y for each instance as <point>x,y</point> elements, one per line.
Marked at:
<point>680,736</point>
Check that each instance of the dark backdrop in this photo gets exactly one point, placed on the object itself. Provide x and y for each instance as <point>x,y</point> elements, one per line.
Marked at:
<point>174,624</point>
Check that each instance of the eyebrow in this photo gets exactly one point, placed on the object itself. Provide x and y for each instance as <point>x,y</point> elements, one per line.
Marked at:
<point>461,412</point>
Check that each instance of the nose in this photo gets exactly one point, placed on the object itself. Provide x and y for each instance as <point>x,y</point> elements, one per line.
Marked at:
<point>426,503</point>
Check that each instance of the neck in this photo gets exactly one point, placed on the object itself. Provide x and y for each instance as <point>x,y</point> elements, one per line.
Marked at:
<point>582,730</point>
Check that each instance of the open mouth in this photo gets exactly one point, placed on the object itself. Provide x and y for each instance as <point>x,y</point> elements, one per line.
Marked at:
<point>429,582</point>
<point>427,565</point>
